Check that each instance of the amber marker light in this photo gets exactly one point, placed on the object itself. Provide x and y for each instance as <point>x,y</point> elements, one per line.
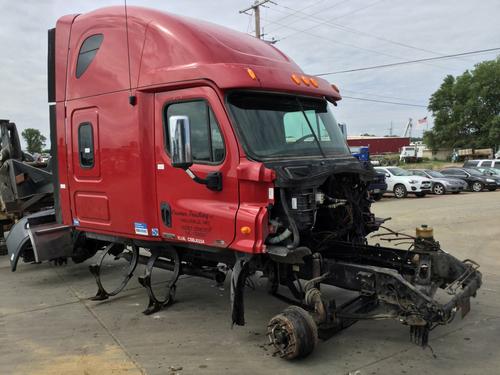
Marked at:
<point>296,79</point>
<point>314,82</point>
<point>251,73</point>
<point>306,80</point>
<point>246,230</point>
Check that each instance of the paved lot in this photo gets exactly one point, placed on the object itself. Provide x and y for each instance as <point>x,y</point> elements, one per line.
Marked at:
<point>47,325</point>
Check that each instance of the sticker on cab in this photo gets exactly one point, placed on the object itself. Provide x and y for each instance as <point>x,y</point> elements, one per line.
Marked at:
<point>155,232</point>
<point>141,229</point>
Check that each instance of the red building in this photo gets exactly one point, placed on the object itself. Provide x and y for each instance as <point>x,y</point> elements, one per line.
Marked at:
<point>379,145</point>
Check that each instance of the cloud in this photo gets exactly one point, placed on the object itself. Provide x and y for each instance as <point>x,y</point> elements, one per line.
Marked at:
<point>444,27</point>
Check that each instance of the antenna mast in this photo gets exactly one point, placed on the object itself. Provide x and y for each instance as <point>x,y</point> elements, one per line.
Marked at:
<point>132,98</point>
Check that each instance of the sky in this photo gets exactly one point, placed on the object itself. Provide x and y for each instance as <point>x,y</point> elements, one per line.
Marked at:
<point>320,35</point>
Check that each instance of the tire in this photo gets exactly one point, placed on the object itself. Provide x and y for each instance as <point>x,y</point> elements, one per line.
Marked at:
<point>420,195</point>
<point>477,186</point>
<point>293,333</point>
<point>438,189</point>
<point>400,191</point>
<point>377,197</point>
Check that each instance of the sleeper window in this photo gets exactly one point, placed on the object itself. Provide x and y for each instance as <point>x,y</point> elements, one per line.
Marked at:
<point>86,145</point>
<point>88,51</point>
<point>207,145</point>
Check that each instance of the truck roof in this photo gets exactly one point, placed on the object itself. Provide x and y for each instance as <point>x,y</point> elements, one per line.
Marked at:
<point>166,48</point>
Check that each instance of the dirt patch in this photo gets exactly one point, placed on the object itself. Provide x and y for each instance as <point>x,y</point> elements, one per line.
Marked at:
<point>111,360</point>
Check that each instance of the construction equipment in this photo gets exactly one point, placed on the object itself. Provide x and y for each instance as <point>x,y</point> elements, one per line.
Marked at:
<point>25,185</point>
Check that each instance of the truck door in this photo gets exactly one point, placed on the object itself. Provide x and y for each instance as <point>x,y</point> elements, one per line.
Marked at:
<point>89,204</point>
<point>189,211</point>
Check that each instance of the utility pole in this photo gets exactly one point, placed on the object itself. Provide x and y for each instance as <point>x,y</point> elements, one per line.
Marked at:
<point>256,11</point>
<point>390,130</point>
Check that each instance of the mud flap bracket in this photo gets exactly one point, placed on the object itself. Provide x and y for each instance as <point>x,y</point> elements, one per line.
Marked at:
<point>238,278</point>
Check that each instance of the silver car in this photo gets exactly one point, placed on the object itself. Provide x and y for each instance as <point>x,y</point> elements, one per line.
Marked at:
<point>441,184</point>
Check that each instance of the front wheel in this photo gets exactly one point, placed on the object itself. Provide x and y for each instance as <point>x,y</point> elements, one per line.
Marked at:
<point>438,189</point>
<point>400,191</point>
<point>293,333</point>
<point>477,186</point>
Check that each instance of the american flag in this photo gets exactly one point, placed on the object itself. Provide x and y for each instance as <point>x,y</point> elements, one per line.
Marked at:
<point>422,121</point>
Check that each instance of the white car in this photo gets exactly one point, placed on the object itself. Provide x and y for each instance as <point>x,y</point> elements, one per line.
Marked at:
<point>483,163</point>
<point>401,182</point>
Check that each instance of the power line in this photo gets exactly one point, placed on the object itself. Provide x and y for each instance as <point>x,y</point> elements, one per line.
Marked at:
<point>322,21</point>
<point>378,52</point>
<point>410,61</point>
<point>335,41</point>
<point>384,101</point>
<point>370,94</point>
<point>336,18</point>
<point>300,10</point>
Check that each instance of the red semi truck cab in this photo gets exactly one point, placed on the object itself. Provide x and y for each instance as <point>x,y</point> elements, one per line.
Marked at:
<point>183,145</point>
<point>115,95</point>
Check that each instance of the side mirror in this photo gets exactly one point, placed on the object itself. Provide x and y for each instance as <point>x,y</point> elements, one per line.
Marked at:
<point>387,175</point>
<point>179,133</point>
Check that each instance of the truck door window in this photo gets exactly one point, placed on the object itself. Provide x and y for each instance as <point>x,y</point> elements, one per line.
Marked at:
<point>88,51</point>
<point>86,145</point>
<point>207,145</point>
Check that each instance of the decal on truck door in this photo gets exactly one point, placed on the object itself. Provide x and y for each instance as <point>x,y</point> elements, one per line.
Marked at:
<point>141,229</point>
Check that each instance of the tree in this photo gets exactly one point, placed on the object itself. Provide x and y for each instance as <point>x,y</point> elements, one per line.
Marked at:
<point>34,139</point>
<point>466,109</point>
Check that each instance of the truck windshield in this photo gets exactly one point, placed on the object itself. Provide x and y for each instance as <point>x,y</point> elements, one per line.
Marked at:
<point>276,126</point>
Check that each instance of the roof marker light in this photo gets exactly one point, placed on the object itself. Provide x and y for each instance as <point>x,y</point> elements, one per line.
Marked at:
<point>296,79</point>
<point>306,80</point>
<point>314,82</point>
<point>251,73</point>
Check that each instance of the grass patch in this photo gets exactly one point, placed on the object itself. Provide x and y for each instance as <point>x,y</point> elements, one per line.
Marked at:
<point>431,164</point>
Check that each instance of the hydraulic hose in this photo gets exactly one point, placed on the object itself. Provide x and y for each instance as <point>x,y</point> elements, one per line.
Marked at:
<point>293,225</point>
<point>283,236</point>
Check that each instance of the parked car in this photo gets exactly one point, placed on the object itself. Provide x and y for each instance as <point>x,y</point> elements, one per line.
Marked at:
<point>491,173</point>
<point>440,183</point>
<point>476,181</point>
<point>490,163</point>
<point>401,182</point>
<point>378,186</point>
